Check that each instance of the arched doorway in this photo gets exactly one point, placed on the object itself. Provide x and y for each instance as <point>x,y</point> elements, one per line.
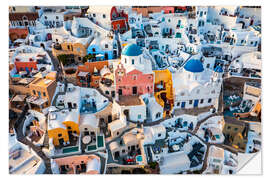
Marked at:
<point>42,45</point>
<point>49,36</point>
<point>105,56</point>
<point>243,24</point>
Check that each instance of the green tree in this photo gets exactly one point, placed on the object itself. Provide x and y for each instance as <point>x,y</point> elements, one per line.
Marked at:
<point>89,56</point>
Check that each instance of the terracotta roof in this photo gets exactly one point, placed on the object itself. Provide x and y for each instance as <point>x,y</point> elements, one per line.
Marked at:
<point>19,16</point>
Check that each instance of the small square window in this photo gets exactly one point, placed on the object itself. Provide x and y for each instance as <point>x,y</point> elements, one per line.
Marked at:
<point>190,101</point>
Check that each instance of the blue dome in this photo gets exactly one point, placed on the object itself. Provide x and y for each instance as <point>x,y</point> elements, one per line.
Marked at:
<point>132,50</point>
<point>218,69</point>
<point>194,65</point>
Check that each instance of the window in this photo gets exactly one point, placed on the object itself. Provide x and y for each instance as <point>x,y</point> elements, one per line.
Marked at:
<point>209,100</point>
<point>68,47</point>
<point>178,104</point>
<point>125,60</point>
<point>78,49</point>
<point>117,133</point>
<point>132,61</point>
<point>34,92</point>
<point>59,135</point>
<point>69,127</point>
<point>56,17</point>
<point>208,65</point>
<point>123,151</point>
<point>229,127</point>
<point>169,20</point>
<point>235,129</point>
<point>104,16</point>
<point>182,94</point>
<point>213,92</point>
<point>44,94</point>
<point>128,147</point>
<point>94,15</point>
<point>107,92</point>
<point>139,116</point>
<point>158,115</point>
<point>201,101</point>
<point>45,17</point>
<point>106,46</point>
<point>190,101</point>
<point>134,77</point>
<point>198,91</point>
<point>159,134</point>
<point>13,8</point>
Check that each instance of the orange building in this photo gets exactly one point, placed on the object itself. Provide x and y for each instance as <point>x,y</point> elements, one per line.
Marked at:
<point>17,33</point>
<point>88,75</point>
<point>25,66</point>
<point>42,91</point>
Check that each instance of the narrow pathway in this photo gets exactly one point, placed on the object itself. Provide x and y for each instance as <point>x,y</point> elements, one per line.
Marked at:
<point>22,139</point>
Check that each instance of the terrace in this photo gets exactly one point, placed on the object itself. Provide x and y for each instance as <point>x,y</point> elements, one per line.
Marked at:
<point>88,106</point>
<point>96,143</point>
<point>21,161</point>
<point>130,101</point>
<point>69,148</point>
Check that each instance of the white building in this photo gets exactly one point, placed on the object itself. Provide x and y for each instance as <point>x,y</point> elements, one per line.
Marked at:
<point>198,87</point>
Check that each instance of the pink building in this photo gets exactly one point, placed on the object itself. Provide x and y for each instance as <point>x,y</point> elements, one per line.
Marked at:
<point>134,75</point>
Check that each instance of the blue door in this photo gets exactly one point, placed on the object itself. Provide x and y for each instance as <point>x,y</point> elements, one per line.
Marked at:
<point>27,69</point>
<point>183,104</point>
<point>196,102</point>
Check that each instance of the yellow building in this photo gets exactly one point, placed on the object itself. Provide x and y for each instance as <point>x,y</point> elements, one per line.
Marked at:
<point>62,130</point>
<point>58,135</point>
<point>163,88</point>
<point>77,49</point>
<point>236,132</point>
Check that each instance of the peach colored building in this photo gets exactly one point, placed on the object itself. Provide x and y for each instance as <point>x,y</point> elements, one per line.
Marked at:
<point>79,164</point>
<point>133,83</point>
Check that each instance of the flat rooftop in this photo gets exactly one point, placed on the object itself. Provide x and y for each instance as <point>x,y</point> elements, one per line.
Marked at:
<point>129,101</point>
<point>42,82</point>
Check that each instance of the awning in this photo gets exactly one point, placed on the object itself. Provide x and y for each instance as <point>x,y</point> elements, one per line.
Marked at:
<point>36,100</point>
<point>83,74</point>
<point>19,98</point>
